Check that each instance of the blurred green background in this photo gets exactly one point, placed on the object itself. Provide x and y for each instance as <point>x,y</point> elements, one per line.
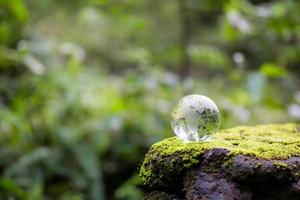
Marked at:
<point>86,86</point>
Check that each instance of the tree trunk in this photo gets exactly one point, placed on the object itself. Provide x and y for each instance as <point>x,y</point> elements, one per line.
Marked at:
<point>185,37</point>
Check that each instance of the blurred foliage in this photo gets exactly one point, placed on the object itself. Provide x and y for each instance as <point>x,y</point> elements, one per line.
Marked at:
<point>87,86</point>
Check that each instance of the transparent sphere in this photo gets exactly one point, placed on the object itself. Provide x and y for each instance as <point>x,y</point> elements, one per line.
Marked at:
<point>195,118</point>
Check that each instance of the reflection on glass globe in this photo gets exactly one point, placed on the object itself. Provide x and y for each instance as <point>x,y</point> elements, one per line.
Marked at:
<point>195,118</point>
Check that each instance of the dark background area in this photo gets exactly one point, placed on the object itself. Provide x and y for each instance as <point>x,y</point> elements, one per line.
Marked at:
<point>86,86</point>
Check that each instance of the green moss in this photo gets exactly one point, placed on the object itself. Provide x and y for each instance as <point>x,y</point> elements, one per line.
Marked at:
<point>280,164</point>
<point>264,141</point>
<point>158,195</point>
<point>172,155</point>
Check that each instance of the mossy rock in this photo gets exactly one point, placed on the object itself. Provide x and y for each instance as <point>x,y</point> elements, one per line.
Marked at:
<point>275,146</point>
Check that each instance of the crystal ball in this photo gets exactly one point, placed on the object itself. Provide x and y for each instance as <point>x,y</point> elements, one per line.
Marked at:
<point>195,118</point>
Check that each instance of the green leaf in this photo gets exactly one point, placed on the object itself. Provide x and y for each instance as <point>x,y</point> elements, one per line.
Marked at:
<point>18,9</point>
<point>35,192</point>
<point>9,186</point>
<point>272,70</point>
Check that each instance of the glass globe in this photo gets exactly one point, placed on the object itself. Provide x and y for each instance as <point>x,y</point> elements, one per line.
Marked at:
<point>195,118</point>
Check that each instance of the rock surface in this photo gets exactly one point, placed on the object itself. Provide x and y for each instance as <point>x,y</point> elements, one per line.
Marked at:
<point>243,163</point>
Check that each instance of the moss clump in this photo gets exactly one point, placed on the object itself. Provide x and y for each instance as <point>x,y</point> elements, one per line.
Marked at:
<point>280,164</point>
<point>158,195</point>
<point>170,157</point>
